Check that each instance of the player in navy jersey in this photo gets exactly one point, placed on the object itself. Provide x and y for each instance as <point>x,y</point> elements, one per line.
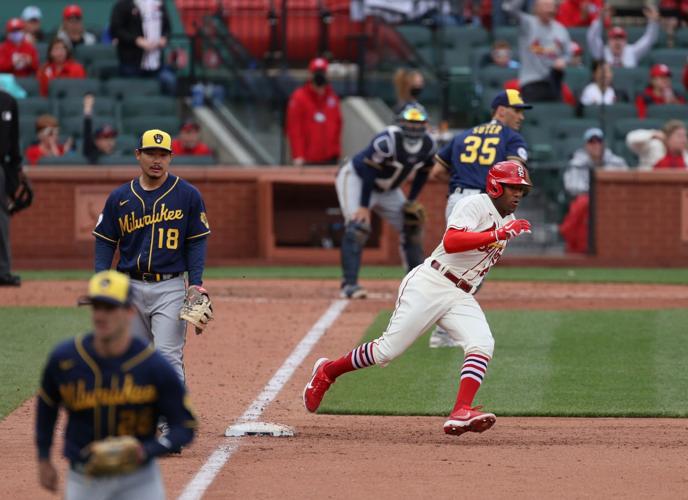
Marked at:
<point>466,160</point>
<point>159,223</point>
<point>372,180</point>
<point>111,385</point>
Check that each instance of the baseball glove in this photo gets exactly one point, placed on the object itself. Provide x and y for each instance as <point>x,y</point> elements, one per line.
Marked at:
<point>113,456</point>
<point>414,214</point>
<point>197,308</point>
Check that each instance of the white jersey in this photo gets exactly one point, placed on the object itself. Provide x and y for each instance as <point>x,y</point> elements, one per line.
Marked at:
<point>477,214</point>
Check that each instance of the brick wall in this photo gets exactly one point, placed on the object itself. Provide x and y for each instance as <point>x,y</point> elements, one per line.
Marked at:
<point>640,218</point>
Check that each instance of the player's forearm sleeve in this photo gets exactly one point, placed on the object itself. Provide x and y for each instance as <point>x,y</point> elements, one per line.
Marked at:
<point>367,175</point>
<point>418,182</point>
<point>195,259</point>
<point>46,416</point>
<point>174,439</point>
<point>105,251</point>
<point>455,241</point>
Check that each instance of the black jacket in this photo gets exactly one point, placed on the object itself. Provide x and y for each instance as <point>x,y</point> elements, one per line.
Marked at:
<point>10,156</point>
<point>126,25</point>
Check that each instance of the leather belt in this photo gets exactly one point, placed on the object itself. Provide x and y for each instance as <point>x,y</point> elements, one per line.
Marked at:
<point>458,282</point>
<point>153,277</point>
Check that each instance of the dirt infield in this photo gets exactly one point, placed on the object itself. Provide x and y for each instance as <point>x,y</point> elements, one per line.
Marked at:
<point>259,324</point>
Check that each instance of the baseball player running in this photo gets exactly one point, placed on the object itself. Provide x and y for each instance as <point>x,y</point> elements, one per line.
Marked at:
<point>159,223</point>
<point>372,181</point>
<point>465,161</point>
<point>113,387</point>
<point>441,291</point>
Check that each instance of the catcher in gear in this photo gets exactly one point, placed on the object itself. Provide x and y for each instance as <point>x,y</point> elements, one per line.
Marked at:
<point>114,388</point>
<point>372,180</point>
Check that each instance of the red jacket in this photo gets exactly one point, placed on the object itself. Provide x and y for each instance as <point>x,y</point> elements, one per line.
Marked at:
<point>34,153</point>
<point>9,62</point>
<point>314,124</point>
<point>201,149</point>
<point>49,71</point>
<point>648,98</point>
<point>671,161</point>
<point>573,13</point>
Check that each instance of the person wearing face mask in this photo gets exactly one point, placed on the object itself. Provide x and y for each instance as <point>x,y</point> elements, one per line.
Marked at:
<point>408,84</point>
<point>314,120</point>
<point>659,91</point>
<point>17,55</point>
<point>48,133</point>
<point>372,181</point>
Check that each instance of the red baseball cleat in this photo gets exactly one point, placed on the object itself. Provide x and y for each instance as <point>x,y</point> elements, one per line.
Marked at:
<point>316,388</point>
<point>469,420</point>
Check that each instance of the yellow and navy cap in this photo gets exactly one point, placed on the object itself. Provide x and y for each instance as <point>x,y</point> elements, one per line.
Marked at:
<point>110,287</point>
<point>510,98</point>
<point>155,139</point>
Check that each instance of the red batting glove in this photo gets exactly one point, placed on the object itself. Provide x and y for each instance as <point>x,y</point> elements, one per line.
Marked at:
<point>512,229</point>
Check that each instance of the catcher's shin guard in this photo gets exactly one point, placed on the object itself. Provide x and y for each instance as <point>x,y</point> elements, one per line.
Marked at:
<point>355,238</point>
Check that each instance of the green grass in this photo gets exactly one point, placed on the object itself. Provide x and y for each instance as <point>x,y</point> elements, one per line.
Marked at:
<point>548,363</point>
<point>577,275</point>
<point>27,336</point>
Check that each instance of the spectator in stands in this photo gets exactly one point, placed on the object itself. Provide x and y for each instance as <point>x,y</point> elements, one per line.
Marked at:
<point>666,148</point>
<point>100,143</point>
<point>576,60</point>
<point>188,142</point>
<point>601,90</point>
<point>141,29</point>
<point>17,55</point>
<point>47,145</point>
<point>593,155</point>
<point>659,91</point>
<point>575,13</point>
<point>544,48</point>
<point>32,15</point>
<point>408,84</point>
<point>618,52</point>
<point>314,120</point>
<point>72,30</point>
<point>60,64</point>
<point>500,55</point>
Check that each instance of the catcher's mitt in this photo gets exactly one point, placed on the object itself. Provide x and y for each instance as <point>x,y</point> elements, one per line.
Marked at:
<point>414,214</point>
<point>114,455</point>
<point>197,308</point>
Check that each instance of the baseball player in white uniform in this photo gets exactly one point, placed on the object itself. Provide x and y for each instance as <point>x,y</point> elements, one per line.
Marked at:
<point>440,290</point>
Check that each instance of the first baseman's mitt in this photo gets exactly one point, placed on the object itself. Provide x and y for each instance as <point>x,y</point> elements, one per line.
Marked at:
<point>197,308</point>
<point>114,455</point>
<point>414,214</point>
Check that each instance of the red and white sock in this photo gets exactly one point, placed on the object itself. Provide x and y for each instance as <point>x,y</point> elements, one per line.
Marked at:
<point>361,357</point>
<point>472,374</point>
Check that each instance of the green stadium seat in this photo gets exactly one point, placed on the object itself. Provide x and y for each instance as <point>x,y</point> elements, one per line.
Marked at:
<point>42,49</point>
<point>118,159</point>
<point>74,125</point>
<point>88,54</point>
<point>495,76</point>
<point>457,57</point>
<point>120,87</point>
<point>611,113</point>
<point>577,79</point>
<point>509,34</point>
<point>33,106</point>
<point>74,106</point>
<point>578,35</point>
<point>571,128</point>
<point>126,143</point>
<point>635,32</point>
<point>415,35</point>
<point>71,158</point>
<point>73,87</point>
<point>463,37</point>
<point>667,111</point>
<point>566,147</point>
<point>104,70</point>
<point>681,38</point>
<point>194,160</point>
<point>624,126</point>
<point>148,105</point>
<point>670,57</point>
<point>27,130</point>
<point>139,124</point>
<point>30,84</point>
<point>632,80</point>
<point>620,148</point>
<point>477,55</point>
<point>544,113</point>
<point>382,88</point>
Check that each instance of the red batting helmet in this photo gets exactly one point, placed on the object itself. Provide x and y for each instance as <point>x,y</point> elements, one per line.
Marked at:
<point>506,172</point>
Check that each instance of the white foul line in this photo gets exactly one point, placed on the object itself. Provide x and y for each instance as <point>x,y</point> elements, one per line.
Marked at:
<point>204,477</point>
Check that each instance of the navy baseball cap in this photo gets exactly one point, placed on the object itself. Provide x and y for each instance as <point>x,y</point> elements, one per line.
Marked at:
<point>510,98</point>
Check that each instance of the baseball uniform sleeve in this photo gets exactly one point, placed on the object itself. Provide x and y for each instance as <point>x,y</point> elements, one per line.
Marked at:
<point>517,149</point>
<point>197,225</point>
<point>106,227</point>
<point>466,214</point>
<point>443,156</point>
<point>48,403</point>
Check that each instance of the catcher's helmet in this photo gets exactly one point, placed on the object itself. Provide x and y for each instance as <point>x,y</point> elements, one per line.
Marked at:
<point>506,172</point>
<point>413,119</point>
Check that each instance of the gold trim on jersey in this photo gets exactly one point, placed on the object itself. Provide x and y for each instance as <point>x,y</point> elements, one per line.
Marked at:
<point>150,251</point>
<point>198,235</point>
<point>138,359</point>
<point>97,381</point>
<point>442,162</point>
<point>95,233</point>
<point>143,203</point>
<point>44,396</point>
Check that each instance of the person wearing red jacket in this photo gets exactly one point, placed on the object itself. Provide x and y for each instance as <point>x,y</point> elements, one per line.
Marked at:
<point>314,120</point>
<point>574,13</point>
<point>17,55</point>
<point>659,91</point>
<point>188,142</point>
<point>59,65</point>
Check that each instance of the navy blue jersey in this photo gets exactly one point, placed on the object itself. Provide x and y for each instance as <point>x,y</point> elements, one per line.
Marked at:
<point>111,397</point>
<point>387,162</point>
<point>152,227</point>
<point>469,156</point>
